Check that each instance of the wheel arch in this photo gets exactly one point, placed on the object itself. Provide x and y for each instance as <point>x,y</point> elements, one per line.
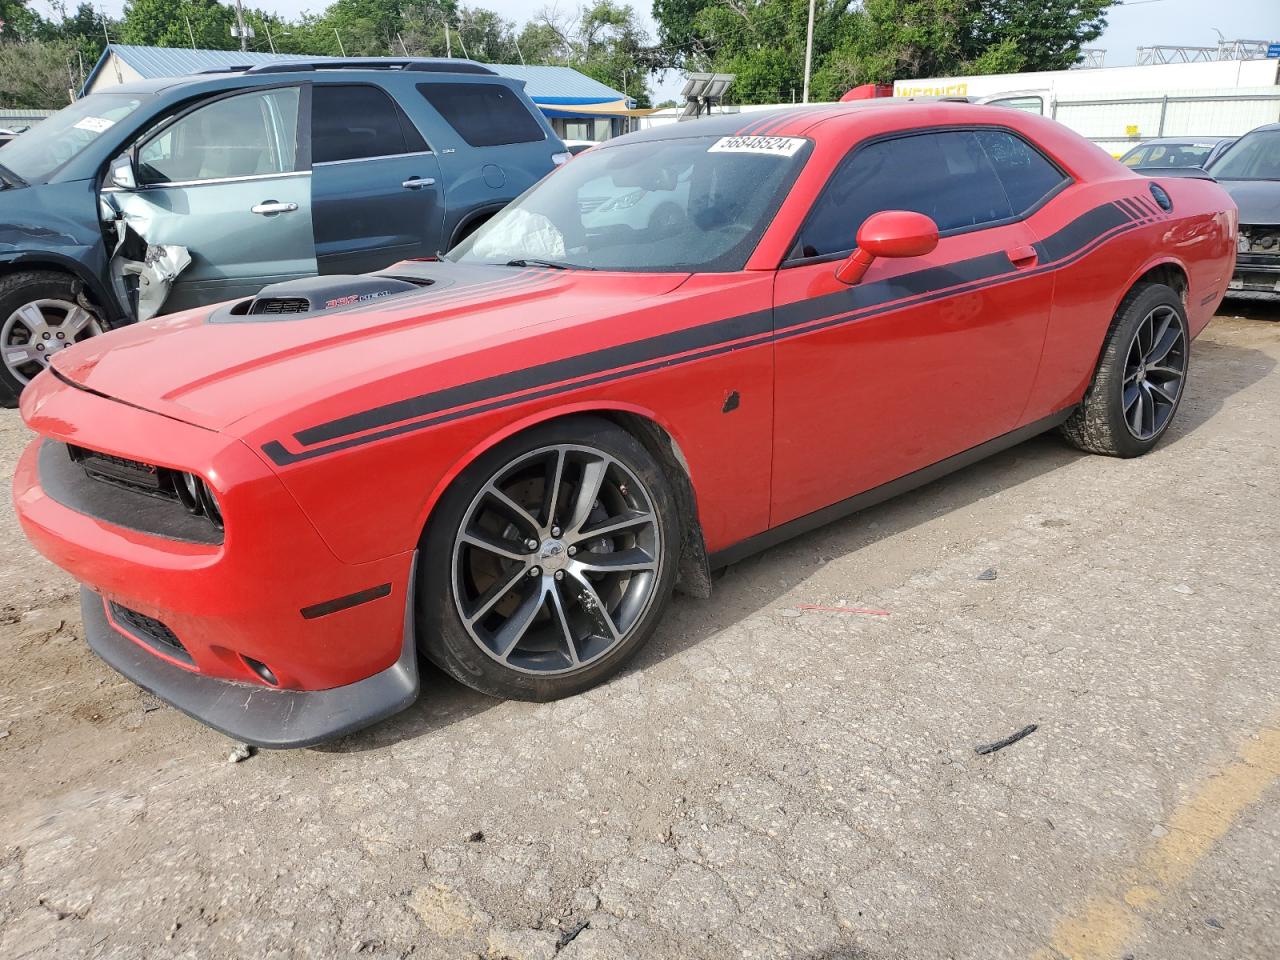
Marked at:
<point>58,264</point>
<point>471,220</point>
<point>1167,270</point>
<point>663,442</point>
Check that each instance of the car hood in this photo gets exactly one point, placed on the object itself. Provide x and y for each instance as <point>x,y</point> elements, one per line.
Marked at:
<point>221,371</point>
<point>1258,200</point>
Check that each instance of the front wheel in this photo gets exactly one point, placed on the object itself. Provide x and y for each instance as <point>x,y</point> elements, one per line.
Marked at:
<point>549,562</point>
<point>1140,378</point>
<point>40,314</point>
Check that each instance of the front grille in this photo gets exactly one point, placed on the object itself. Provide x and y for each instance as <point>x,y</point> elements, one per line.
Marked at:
<point>150,631</point>
<point>281,305</point>
<point>131,474</point>
<point>154,500</point>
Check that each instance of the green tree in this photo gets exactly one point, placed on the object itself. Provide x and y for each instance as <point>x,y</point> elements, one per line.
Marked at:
<point>763,41</point>
<point>20,22</point>
<point>205,24</point>
<point>37,75</point>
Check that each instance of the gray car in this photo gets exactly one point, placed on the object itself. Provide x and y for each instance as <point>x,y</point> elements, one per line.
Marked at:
<point>1166,152</point>
<point>166,194</point>
<point>1250,172</point>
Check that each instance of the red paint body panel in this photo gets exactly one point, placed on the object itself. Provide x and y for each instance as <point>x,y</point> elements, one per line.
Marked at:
<point>329,438</point>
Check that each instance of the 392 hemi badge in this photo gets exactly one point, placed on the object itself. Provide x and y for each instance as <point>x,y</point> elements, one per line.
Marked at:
<point>354,298</point>
<point>777,146</point>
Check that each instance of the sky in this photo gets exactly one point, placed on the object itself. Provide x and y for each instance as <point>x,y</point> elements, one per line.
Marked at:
<point>1136,23</point>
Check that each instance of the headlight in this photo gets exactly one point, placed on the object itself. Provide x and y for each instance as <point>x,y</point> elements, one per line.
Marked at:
<point>197,496</point>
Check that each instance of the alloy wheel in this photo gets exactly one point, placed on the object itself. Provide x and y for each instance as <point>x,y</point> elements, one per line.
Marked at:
<point>36,331</point>
<point>557,559</point>
<point>1154,372</point>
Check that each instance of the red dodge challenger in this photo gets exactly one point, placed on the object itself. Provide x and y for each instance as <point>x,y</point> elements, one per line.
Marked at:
<point>685,345</point>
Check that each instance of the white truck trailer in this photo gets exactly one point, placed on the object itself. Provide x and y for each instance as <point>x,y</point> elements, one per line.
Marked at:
<point>1116,107</point>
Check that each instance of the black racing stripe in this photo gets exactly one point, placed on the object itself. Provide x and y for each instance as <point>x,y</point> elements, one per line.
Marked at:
<point>892,291</point>
<point>1069,244</point>
<point>695,338</point>
<point>1131,208</point>
<point>555,371</point>
<point>345,603</point>
<point>1080,231</point>
<point>1155,208</point>
<point>1143,211</point>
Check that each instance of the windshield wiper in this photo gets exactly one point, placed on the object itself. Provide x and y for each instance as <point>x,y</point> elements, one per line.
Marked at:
<point>10,178</point>
<point>549,264</point>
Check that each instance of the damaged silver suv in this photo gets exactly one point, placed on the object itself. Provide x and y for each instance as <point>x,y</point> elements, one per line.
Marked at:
<point>167,194</point>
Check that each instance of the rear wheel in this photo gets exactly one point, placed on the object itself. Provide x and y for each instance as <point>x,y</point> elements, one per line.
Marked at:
<point>40,314</point>
<point>1140,378</point>
<point>549,562</point>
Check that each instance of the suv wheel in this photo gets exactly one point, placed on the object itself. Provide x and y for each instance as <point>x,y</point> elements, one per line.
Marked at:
<point>39,316</point>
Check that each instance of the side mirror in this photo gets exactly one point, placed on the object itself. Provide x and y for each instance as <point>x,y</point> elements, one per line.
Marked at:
<point>890,233</point>
<point>122,173</point>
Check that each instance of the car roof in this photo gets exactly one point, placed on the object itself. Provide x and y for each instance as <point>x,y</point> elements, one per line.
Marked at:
<point>325,69</point>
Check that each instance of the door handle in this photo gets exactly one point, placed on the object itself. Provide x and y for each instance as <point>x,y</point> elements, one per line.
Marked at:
<point>417,183</point>
<point>269,208</point>
<point>1024,256</point>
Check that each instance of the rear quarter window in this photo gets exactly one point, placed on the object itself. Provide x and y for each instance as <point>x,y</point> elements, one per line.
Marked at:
<point>483,114</point>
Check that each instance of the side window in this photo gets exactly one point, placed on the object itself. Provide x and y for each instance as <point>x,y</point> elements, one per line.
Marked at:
<point>1027,175</point>
<point>357,121</point>
<point>484,114</point>
<point>251,134</point>
<point>944,175</point>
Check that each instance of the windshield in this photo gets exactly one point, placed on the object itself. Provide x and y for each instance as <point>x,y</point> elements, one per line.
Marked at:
<point>1255,156</point>
<point>37,154</point>
<point>689,204</point>
<point>1168,155</point>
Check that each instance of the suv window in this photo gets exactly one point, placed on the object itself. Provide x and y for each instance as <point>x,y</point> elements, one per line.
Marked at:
<point>945,175</point>
<point>1027,175</point>
<point>484,114</point>
<point>353,122</point>
<point>251,134</point>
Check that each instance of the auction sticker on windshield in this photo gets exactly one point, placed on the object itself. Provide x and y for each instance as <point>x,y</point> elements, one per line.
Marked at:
<point>94,124</point>
<point>777,146</point>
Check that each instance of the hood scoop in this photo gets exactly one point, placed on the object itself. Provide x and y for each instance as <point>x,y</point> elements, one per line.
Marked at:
<point>310,295</point>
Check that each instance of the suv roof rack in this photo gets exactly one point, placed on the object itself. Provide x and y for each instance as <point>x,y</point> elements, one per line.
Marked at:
<point>416,64</point>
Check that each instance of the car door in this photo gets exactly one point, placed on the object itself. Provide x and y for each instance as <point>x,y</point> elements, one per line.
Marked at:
<point>226,180</point>
<point>375,184</point>
<point>925,357</point>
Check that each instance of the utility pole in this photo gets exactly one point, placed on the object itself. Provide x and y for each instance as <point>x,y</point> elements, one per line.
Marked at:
<point>244,34</point>
<point>808,52</point>
<point>448,44</point>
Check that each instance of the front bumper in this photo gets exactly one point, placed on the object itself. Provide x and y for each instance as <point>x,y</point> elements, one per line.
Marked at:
<point>263,625</point>
<point>256,714</point>
<point>1256,277</point>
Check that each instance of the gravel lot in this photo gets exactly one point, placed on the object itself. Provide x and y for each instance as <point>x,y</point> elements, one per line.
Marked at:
<point>767,781</point>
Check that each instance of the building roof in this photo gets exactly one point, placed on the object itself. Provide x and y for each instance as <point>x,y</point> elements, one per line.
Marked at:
<point>547,85</point>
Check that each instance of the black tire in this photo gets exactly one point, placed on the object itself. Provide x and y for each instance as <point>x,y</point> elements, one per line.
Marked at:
<point>19,289</point>
<point>1112,419</point>
<point>445,638</point>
